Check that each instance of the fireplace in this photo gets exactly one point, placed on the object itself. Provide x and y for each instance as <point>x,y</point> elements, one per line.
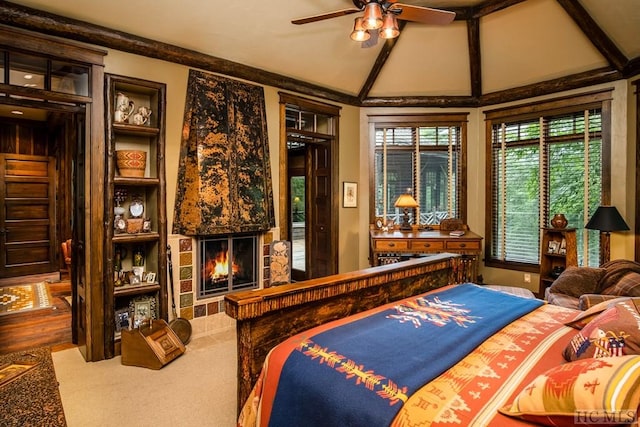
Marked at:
<point>227,263</point>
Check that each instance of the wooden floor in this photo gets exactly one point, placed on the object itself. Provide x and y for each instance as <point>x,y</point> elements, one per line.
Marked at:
<point>49,327</point>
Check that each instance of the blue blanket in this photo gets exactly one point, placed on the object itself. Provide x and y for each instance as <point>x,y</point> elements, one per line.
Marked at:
<point>360,373</point>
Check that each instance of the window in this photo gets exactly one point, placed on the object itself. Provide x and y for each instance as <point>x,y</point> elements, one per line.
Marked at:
<point>38,72</point>
<point>542,162</point>
<point>422,154</point>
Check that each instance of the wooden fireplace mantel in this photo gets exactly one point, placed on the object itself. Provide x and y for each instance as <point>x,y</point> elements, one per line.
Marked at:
<point>269,316</point>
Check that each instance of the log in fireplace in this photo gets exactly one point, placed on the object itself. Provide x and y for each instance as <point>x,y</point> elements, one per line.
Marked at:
<point>227,263</point>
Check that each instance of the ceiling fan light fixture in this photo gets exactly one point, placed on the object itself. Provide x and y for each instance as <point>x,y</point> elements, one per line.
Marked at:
<point>389,28</point>
<point>372,18</point>
<point>359,34</point>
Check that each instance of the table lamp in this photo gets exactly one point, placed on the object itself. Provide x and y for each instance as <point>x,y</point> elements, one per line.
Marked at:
<point>405,201</point>
<point>606,219</point>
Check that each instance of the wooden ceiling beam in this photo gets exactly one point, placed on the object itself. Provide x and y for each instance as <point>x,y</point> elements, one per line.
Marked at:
<point>594,33</point>
<point>574,81</point>
<point>475,64</point>
<point>61,26</point>
<point>422,101</point>
<point>632,68</point>
<point>380,61</point>
<point>56,25</point>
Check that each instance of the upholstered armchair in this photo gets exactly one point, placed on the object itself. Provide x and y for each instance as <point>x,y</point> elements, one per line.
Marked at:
<point>583,287</point>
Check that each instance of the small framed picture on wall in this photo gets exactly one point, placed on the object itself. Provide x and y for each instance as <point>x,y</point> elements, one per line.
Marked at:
<point>350,195</point>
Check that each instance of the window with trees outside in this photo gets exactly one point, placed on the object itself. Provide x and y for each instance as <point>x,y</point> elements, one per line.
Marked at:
<point>545,159</point>
<point>424,155</point>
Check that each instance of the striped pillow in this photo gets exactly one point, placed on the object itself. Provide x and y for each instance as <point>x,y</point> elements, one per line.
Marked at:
<point>601,391</point>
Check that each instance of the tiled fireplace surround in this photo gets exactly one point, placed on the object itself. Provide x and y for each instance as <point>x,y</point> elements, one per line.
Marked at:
<point>206,315</point>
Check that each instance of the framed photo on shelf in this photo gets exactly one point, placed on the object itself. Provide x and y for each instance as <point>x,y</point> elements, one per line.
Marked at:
<point>143,308</point>
<point>151,277</point>
<point>563,247</point>
<point>138,271</point>
<point>123,319</point>
<point>554,246</point>
<point>350,195</point>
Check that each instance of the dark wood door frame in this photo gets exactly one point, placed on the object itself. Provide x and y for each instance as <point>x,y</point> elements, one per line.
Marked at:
<point>334,188</point>
<point>88,234</point>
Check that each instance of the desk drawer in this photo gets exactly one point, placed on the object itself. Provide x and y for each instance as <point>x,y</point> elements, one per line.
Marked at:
<point>423,245</point>
<point>392,245</point>
<point>468,245</point>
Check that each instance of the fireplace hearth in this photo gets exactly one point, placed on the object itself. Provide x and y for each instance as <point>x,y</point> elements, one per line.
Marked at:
<point>227,263</point>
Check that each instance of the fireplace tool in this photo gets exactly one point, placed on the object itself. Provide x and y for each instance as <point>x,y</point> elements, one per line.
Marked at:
<point>179,325</point>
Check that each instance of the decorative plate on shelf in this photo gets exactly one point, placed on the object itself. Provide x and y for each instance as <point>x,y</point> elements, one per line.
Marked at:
<point>136,208</point>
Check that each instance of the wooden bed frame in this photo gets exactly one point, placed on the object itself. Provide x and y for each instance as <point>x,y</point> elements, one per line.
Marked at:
<point>267,317</point>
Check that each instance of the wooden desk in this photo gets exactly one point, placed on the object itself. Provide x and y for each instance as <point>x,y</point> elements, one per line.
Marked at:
<point>392,246</point>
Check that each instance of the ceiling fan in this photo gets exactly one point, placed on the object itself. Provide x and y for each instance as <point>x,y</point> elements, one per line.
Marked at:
<point>380,18</point>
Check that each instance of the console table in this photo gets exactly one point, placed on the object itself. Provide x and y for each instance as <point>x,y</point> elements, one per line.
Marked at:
<point>392,246</point>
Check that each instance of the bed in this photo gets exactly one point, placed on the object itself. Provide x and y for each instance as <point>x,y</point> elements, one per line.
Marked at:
<point>449,355</point>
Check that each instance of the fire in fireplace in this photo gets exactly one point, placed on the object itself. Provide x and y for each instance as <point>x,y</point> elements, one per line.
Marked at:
<point>227,263</point>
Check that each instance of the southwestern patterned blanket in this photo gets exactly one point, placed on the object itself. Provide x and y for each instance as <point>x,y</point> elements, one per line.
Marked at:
<point>376,368</point>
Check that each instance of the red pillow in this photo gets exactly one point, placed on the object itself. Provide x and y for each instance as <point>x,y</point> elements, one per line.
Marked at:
<point>614,332</point>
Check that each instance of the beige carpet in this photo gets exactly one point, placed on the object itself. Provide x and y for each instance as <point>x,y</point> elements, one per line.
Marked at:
<point>196,389</point>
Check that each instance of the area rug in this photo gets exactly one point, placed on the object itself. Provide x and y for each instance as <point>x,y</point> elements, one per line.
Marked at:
<point>15,298</point>
<point>29,392</point>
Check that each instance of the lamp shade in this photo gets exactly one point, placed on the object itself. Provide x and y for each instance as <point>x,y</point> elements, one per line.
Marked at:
<point>389,28</point>
<point>406,201</point>
<point>372,16</point>
<point>359,34</point>
<point>607,218</point>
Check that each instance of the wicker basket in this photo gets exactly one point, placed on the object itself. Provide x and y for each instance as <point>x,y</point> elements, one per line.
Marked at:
<point>131,163</point>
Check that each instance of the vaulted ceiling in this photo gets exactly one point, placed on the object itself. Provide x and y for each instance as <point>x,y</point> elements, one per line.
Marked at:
<point>495,50</point>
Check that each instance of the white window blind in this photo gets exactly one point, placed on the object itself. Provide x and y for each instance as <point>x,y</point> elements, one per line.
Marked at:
<point>542,166</point>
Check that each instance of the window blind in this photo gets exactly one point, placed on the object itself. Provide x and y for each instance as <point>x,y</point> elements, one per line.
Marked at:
<point>421,159</point>
<point>542,166</point>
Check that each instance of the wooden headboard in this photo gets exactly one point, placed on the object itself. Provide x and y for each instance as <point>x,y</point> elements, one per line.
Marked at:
<point>267,317</point>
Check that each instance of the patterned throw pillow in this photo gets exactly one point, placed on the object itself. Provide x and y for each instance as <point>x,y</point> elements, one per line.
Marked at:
<point>586,301</point>
<point>583,318</point>
<point>602,391</point>
<point>614,332</point>
<point>628,285</point>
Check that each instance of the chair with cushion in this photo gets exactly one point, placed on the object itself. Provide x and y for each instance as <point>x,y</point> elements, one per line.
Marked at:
<point>66,257</point>
<point>584,287</point>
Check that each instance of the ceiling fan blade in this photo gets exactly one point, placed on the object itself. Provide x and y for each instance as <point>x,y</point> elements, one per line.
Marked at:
<point>425,15</point>
<point>324,16</point>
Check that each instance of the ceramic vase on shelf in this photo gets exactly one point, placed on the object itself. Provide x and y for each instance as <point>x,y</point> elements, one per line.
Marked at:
<point>559,221</point>
<point>124,108</point>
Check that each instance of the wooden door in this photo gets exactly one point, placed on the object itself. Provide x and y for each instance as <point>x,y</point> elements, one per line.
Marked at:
<point>319,255</point>
<point>27,217</point>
